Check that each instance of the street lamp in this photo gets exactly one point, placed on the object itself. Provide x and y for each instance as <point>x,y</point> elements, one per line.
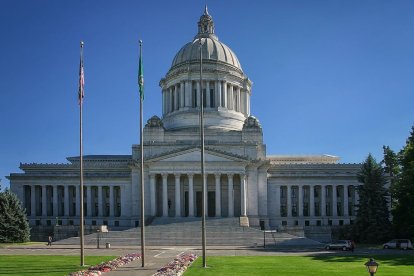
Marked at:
<point>371,266</point>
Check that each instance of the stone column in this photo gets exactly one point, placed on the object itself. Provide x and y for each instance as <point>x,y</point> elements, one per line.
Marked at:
<point>89,201</point>
<point>182,94</point>
<point>32,200</point>
<point>190,195</point>
<point>345,205</point>
<point>176,97</point>
<point>334,201</point>
<point>190,93</point>
<point>206,194</point>
<point>247,103</point>
<point>230,97</point>
<point>177,196</point>
<point>167,100</point>
<point>323,200</point>
<point>218,195</point>
<point>243,195</point>
<point>55,200</point>
<point>300,203</point>
<point>312,200</point>
<point>224,92</point>
<point>66,201</point>
<point>77,200</point>
<point>44,201</point>
<point>230,196</point>
<point>111,201</point>
<point>208,94</point>
<point>218,94</point>
<point>356,198</point>
<point>99,201</point>
<point>164,195</point>
<point>277,200</point>
<point>198,94</point>
<point>239,101</point>
<point>152,195</point>
<point>163,101</point>
<point>289,201</point>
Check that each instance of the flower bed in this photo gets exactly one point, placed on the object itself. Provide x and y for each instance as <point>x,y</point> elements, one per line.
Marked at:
<point>107,266</point>
<point>178,266</point>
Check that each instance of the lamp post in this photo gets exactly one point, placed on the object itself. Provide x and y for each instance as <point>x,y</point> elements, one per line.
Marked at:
<point>371,266</point>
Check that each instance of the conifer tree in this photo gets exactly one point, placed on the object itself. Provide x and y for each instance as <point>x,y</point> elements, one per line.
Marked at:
<point>13,221</point>
<point>372,223</point>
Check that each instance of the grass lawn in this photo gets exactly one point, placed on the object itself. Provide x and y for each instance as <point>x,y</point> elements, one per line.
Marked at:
<point>400,265</point>
<point>45,264</point>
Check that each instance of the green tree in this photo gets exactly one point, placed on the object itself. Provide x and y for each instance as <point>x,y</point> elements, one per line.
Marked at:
<point>403,191</point>
<point>13,221</point>
<point>372,222</point>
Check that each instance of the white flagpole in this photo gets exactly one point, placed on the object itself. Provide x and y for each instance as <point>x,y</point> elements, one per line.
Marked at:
<point>141,81</point>
<point>81,93</point>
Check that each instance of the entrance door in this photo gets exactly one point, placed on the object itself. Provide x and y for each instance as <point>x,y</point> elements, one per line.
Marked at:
<point>211,199</point>
<point>198,203</point>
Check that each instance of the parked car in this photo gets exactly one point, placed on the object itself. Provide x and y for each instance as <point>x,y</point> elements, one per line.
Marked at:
<point>341,244</point>
<point>398,243</point>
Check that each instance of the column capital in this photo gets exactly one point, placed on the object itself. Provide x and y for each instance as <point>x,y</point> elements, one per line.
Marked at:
<point>190,175</point>
<point>177,175</point>
<point>164,175</point>
<point>217,175</point>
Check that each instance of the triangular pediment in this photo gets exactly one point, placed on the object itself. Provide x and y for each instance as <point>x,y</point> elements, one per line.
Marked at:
<point>193,155</point>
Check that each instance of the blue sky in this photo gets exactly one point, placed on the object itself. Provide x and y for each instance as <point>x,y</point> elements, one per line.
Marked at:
<point>329,77</point>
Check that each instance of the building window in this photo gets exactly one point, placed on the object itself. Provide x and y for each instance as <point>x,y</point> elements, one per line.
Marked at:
<point>306,222</point>
<point>105,222</point>
<point>284,223</point>
<point>317,209</point>
<point>294,210</point>
<point>116,223</point>
<point>318,223</point>
<point>94,222</point>
<point>283,210</point>
<point>306,209</point>
<point>70,222</point>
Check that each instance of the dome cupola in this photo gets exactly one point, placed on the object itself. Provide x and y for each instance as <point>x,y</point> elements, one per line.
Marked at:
<point>226,89</point>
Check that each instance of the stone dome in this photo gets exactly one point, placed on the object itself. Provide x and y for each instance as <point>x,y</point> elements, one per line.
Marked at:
<point>212,49</point>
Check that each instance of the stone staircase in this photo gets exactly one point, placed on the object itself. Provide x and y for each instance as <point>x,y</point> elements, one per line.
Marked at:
<point>187,232</point>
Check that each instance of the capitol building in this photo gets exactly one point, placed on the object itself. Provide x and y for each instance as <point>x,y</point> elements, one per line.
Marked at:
<point>242,179</point>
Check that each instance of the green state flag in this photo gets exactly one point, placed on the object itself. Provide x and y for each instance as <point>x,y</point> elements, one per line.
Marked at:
<point>141,73</point>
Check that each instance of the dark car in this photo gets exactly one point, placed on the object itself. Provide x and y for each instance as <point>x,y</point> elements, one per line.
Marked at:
<point>341,244</point>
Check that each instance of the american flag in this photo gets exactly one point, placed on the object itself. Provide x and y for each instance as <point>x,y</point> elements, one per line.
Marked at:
<point>81,92</point>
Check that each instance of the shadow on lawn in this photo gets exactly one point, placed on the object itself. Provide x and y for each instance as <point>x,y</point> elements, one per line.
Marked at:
<point>391,260</point>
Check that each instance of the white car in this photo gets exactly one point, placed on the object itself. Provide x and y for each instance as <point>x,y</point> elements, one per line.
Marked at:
<point>398,243</point>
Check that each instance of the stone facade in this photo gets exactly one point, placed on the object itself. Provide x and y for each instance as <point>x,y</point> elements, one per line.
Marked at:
<point>242,181</point>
